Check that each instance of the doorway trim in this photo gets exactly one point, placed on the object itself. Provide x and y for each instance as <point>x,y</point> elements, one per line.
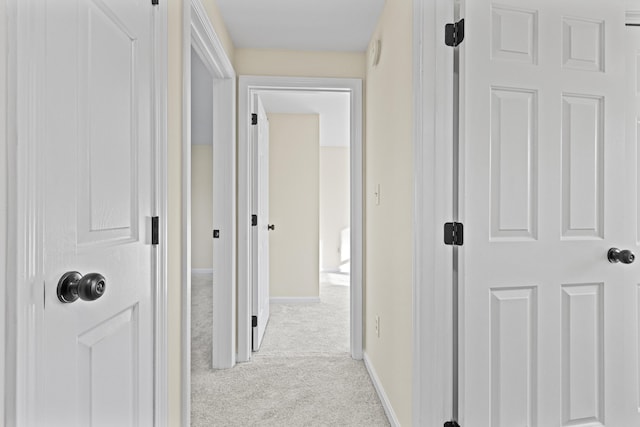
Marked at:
<point>433,171</point>
<point>24,303</point>
<point>199,34</point>
<point>247,87</point>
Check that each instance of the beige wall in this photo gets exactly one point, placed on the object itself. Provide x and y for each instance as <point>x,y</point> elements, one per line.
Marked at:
<point>174,156</point>
<point>266,62</point>
<point>201,206</point>
<point>388,233</point>
<point>294,181</point>
<point>334,203</point>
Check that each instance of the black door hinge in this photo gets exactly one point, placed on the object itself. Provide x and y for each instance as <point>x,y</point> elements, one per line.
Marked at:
<point>451,424</point>
<point>154,2</point>
<point>254,220</point>
<point>454,33</point>
<point>453,233</point>
<point>254,321</point>
<point>216,234</point>
<point>254,119</point>
<point>155,230</point>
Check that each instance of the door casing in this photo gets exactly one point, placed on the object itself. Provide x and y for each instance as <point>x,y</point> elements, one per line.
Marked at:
<point>23,304</point>
<point>200,34</point>
<point>248,87</point>
<point>433,171</point>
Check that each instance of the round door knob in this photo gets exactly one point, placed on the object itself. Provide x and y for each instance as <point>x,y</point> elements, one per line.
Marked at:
<point>271,227</point>
<point>616,255</point>
<point>73,285</point>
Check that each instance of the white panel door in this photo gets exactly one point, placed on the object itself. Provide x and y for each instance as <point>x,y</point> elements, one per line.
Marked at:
<point>260,297</point>
<point>96,359</point>
<point>549,184</point>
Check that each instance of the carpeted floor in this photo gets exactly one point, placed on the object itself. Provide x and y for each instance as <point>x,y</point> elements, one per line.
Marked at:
<point>302,376</point>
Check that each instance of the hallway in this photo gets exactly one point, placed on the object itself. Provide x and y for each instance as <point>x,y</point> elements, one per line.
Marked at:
<point>303,374</point>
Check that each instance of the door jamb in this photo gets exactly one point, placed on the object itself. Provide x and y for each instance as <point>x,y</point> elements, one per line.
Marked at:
<point>24,212</point>
<point>198,32</point>
<point>433,171</point>
<point>247,86</point>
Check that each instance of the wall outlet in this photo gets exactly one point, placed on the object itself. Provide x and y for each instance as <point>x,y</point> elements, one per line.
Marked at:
<point>378,326</point>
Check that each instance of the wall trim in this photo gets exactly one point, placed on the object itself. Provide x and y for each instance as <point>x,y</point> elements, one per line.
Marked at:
<point>433,170</point>
<point>4,208</point>
<point>248,86</point>
<point>384,399</point>
<point>160,40</point>
<point>294,300</point>
<point>199,34</point>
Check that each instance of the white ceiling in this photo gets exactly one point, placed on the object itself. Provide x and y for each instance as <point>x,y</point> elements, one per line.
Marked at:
<point>321,25</point>
<point>333,108</point>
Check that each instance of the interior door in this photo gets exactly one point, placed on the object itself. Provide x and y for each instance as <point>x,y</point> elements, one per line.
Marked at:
<point>549,184</point>
<point>260,298</point>
<point>96,363</point>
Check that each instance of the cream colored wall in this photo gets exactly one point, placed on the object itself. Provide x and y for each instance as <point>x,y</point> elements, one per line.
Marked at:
<point>201,206</point>
<point>266,62</point>
<point>334,203</point>
<point>294,184</point>
<point>388,232</point>
<point>174,201</point>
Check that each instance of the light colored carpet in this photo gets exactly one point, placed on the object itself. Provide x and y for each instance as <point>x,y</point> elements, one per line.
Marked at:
<point>302,376</point>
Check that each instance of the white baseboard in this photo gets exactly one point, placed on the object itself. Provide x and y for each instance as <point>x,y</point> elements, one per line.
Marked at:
<point>386,404</point>
<point>201,271</point>
<point>294,300</point>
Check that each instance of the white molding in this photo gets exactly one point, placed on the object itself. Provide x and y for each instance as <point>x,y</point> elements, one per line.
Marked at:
<point>185,259</point>
<point>384,399</point>
<point>26,32</point>
<point>161,390</point>
<point>248,86</point>
<point>3,200</point>
<point>200,34</point>
<point>432,261</point>
<point>201,271</point>
<point>294,300</point>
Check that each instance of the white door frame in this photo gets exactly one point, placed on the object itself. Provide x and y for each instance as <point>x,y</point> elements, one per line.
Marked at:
<point>24,302</point>
<point>200,34</point>
<point>247,87</point>
<point>433,170</point>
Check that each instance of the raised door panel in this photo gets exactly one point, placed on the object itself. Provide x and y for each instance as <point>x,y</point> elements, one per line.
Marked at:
<point>107,172</point>
<point>514,166</point>
<point>582,166</point>
<point>582,355</point>
<point>514,359</point>
<point>107,361</point>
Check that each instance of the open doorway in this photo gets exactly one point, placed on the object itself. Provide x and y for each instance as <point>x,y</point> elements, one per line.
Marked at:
<point>201,214</point>
<point>309,222</point>
<point>251,92</point>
